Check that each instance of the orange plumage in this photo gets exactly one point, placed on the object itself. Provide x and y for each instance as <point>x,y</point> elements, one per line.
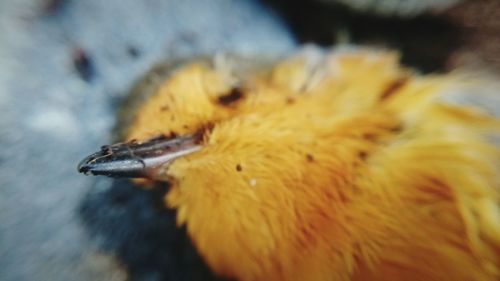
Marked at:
<point>331,166</point>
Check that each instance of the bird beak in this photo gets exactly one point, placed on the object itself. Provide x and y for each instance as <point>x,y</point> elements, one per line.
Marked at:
<point>138,159</point>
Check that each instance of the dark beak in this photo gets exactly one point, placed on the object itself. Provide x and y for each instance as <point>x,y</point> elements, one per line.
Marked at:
<point>137,159</point>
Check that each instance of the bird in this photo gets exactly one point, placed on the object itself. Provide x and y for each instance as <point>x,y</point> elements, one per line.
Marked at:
<point>328,164</point>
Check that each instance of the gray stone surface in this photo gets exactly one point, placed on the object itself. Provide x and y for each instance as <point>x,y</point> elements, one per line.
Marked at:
<point>50,117</point>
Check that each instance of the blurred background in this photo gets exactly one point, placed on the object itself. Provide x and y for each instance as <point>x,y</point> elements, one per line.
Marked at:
<point>65,65</point>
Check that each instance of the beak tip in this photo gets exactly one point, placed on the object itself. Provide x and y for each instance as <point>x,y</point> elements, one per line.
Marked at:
<point>84,167</point>
<point>99,164</point>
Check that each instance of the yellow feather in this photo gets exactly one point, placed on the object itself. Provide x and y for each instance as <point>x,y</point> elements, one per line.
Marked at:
<point>333,166</point>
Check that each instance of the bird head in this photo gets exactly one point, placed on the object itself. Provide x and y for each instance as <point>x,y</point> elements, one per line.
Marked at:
<point>262,166</point>
<point>204,133</point>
